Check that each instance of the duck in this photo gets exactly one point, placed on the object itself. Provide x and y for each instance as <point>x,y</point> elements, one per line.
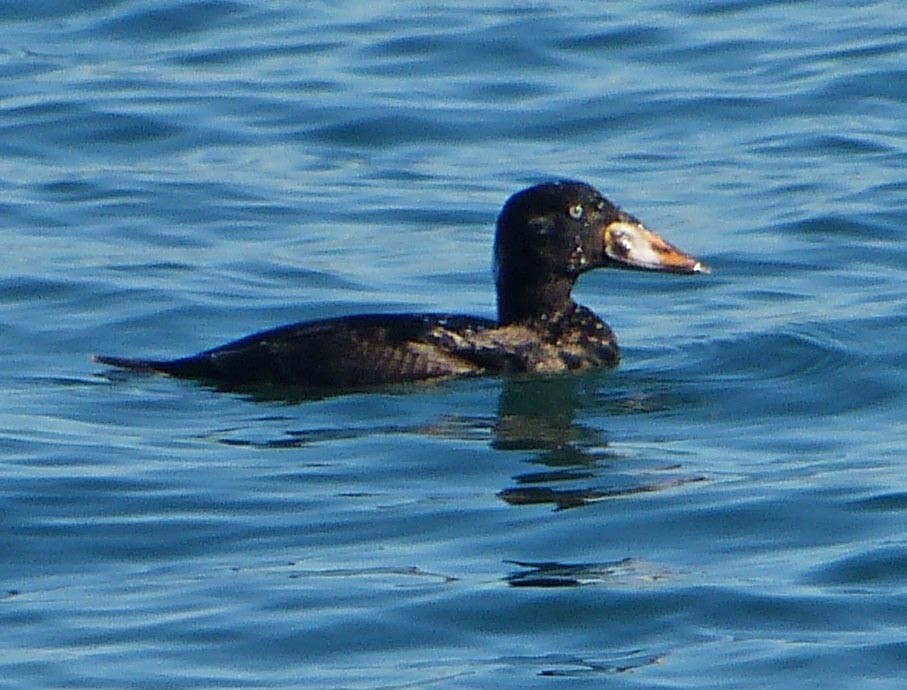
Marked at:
<point>546,237</point>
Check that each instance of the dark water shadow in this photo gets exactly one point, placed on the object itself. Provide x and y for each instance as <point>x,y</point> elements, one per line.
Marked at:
<point>630,571</point>
<point>570,463</point>
<point>577,467</point>
<point>593,667</point>
<point>574,666</point>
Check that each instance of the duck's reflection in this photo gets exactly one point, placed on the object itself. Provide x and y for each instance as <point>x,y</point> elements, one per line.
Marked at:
<point>538,415</point>
<point>577,466</point>
<point>553,431</point>
<point>570,462</point>
<point>553,574</point>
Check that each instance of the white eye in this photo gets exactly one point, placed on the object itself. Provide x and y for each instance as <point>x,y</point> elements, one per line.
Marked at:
<point>575,211</point>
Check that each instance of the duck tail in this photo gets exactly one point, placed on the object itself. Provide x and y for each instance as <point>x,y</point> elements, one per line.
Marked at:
<point>127,363</point>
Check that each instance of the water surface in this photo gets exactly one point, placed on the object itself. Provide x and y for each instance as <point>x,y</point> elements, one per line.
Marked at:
<point>725,510</point>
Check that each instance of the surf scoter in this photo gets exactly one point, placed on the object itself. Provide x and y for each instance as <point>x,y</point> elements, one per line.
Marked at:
<point>547,236</point>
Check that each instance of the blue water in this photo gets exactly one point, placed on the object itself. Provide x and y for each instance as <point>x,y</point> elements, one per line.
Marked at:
<point>728,509</point>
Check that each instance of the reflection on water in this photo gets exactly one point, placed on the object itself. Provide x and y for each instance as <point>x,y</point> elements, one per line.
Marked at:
<point>536,416</point>
<point>569,666</point>
<point>576,498</point>
<point>627,571</point>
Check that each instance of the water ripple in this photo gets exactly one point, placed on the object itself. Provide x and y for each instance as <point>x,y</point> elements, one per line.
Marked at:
<point>179,174</point>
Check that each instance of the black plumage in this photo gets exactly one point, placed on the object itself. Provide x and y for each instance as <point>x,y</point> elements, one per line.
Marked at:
<point>546,237</point>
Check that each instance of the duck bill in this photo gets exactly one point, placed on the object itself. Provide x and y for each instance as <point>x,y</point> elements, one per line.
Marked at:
<point>630,244</point>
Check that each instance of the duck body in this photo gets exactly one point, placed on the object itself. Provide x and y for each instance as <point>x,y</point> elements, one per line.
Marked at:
<point>546,237</point>
<point>380,349</point>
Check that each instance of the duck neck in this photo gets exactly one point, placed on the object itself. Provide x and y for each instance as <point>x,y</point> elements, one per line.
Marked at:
<point>523,302</point>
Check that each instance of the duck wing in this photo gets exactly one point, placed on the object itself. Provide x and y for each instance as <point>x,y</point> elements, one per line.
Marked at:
<point>345,352</point>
